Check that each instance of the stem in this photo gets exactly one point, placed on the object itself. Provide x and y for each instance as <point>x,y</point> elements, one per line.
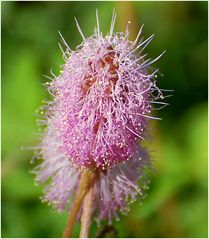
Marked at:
<point>81,191</point>
<point>87,212</point>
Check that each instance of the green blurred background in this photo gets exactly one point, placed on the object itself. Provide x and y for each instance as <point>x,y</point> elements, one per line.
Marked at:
<point>176,205</point>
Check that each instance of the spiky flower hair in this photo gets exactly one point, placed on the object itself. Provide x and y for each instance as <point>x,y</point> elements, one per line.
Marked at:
<point>101,107</point>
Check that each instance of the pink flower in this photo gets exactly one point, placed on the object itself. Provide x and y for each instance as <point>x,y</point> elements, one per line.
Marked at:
<point>102,102</point>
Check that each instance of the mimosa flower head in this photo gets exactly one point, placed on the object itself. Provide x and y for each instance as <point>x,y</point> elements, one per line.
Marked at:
<point>102,103</point>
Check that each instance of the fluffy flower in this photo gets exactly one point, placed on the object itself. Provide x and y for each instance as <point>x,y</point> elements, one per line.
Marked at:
<point>102,101</point>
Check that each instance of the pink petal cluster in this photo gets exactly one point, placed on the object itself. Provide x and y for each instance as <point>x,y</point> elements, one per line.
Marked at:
<point>102,101</point>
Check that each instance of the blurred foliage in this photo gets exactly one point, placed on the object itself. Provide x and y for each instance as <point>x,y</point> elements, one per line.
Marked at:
<point>176,205</point>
